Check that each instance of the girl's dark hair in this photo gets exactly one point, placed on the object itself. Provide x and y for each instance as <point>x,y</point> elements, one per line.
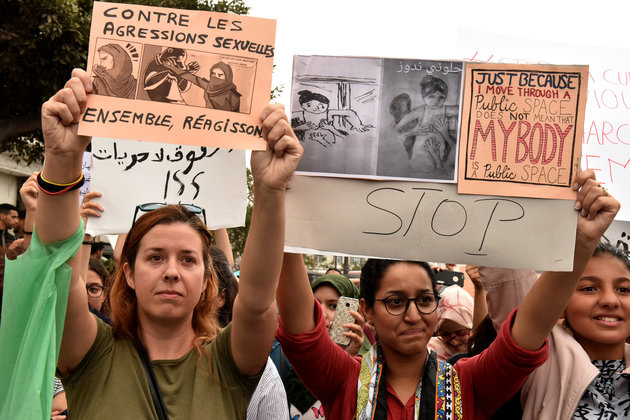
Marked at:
<point>430,84</point>
<point>606,248</point>
<point>227,284</point>
<point>307,96</point>
<point>481,337</point>
<point>372,275</point>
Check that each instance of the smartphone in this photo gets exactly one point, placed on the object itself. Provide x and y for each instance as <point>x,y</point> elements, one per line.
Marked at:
<point>343,316</point>
<point>450,278</point>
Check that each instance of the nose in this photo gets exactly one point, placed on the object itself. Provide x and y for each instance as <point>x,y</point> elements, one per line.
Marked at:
<point>171,272</point>
<point>608,298</point>
<point>412,314</point>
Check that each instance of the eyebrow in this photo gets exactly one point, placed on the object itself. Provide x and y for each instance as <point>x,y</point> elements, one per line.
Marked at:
<point>401,292</point>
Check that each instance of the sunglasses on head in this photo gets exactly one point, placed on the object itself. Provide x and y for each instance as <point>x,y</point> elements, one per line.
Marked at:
<point>146,207</point>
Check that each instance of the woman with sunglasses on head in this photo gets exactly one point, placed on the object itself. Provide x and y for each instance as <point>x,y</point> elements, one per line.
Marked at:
<point>399,377</point>
<point>164,288</point>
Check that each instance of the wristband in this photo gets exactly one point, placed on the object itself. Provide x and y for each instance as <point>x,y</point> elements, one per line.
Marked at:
<point>51,188</point>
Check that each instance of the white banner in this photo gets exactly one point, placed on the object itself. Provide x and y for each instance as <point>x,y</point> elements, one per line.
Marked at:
<point>606,142</point>
<point>430,222</point>
<point>129,173</point>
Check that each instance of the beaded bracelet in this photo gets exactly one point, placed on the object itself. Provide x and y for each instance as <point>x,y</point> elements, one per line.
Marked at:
<point>52,188</point>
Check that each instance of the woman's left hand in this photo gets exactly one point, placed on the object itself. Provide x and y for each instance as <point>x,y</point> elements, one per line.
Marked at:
<point>355,334</point>
<point>273,167</point>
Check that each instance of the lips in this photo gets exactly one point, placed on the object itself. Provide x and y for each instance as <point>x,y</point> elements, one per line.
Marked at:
<point>169,294</point>
<point>608,318</point>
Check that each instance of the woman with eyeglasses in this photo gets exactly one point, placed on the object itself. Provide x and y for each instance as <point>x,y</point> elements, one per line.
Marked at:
<point>96,284</point>
<point>164,288</point>
<point>399,377</point>
<point>454,322</point>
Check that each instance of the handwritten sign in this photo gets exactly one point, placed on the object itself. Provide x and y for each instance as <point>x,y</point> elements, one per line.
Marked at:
<point>130,173</point>
<point>606,139</point>
<point>522,129</point>
<point>178,76</point>
<point>430,222</point>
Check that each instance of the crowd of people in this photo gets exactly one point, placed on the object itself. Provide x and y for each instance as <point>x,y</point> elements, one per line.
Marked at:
<point>173,333</point>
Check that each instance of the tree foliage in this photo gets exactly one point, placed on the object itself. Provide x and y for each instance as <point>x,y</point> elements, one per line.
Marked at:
<point>41,42</point>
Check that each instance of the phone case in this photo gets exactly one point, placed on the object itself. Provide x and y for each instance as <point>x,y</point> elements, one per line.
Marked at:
<point>343,316</point>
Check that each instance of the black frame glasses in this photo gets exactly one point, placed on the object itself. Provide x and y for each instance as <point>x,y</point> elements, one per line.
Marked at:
<point>146,207</point>
<point>94,286</point>
<point>395,311</point>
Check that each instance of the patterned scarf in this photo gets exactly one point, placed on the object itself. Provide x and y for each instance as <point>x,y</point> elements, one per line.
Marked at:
<point>438,395</point>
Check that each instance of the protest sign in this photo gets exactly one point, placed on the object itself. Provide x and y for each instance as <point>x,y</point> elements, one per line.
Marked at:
<point>606,139</point>
<point>430,222</point>
<point>178,76</point>
<point>521,129</point>
<point>377,118</point>
<point>130,173</point>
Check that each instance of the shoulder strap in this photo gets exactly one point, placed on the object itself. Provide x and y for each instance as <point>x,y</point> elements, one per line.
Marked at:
<point>153,385</point>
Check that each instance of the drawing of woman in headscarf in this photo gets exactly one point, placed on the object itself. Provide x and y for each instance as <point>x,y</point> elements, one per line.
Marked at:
<point>113,72</point>
<point>220,91</point>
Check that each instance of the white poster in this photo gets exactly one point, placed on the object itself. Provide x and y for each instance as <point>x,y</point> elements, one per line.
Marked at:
<point>131,173</point>
<point>606,141</point>
<point>429,222</point>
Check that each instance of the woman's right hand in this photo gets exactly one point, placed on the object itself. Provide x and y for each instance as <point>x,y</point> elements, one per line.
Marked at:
<point>90,208</point>
<point>60,117</point>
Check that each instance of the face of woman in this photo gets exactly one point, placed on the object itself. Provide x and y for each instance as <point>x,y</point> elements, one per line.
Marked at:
<point>314,106</point>
<point>454,336</point>
<point>434,100</point>
<point>168,276</point>
<point>218,73</point>
<point>95,287</point>
<point>599,310</point>
<point>106,60</point>
<point>406,335</point>
<point>328,297</point>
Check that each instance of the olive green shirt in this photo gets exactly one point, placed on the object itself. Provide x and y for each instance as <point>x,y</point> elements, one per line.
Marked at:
<point>110,382</point>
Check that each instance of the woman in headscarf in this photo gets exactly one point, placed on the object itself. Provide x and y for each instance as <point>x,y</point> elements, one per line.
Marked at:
<point>220,91</point>
<point>454,322</point>
<point>113,73</point>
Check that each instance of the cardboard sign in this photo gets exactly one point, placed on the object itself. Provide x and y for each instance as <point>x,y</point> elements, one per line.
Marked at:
<point>521,131</point>
<point>178,76</point>
<point>130,173</point>
<point>429,222</point>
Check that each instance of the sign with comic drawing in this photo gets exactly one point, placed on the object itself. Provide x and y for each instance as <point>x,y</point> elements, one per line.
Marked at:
<point>178,76</point>
<point>522,129</point>
<point>211,178</point>
<point>377,118</point>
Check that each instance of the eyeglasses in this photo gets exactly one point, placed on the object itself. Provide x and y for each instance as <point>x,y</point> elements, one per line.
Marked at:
<point>398,305</point>
<point>154,206</point>
<point>94,290</point>
<point>449,336</point>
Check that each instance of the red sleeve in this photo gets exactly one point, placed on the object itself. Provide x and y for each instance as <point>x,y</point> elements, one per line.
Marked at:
<point>326,369</point>
<point>491,378</point>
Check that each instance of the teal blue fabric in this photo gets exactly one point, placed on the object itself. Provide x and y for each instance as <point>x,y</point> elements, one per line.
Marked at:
<point>34,305</point>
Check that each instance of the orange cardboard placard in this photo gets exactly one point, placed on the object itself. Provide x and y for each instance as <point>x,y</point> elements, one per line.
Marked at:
<point>178,76</point>
<point>522,128</point>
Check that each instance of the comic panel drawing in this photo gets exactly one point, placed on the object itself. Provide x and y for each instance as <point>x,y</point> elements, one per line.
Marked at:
<point>180,76</point>
<point>419,114</point>
<point>334,105</point>
<point>115,69</point>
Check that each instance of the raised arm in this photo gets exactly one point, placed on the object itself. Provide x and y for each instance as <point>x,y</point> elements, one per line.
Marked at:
<point>543,305</point>
<point>254,319</point>
<point>57,216</point>
<point>295,296</point>
<point>222,241</point>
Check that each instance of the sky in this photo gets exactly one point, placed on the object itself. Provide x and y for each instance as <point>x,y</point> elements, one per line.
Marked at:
<point>428,29</point>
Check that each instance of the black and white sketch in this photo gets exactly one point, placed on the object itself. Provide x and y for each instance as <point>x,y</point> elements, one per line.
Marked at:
<point>391,119</point>
<point>335,102</point>
<point>420,119</point>
<point>113,71</point>
<point>161,83</point>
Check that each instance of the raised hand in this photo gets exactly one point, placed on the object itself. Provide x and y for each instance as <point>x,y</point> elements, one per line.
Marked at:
<point>29,191</point>
<point>355,334</point>
<point>90,208</point>
<point>60,117</point>
<point>272,168</point>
